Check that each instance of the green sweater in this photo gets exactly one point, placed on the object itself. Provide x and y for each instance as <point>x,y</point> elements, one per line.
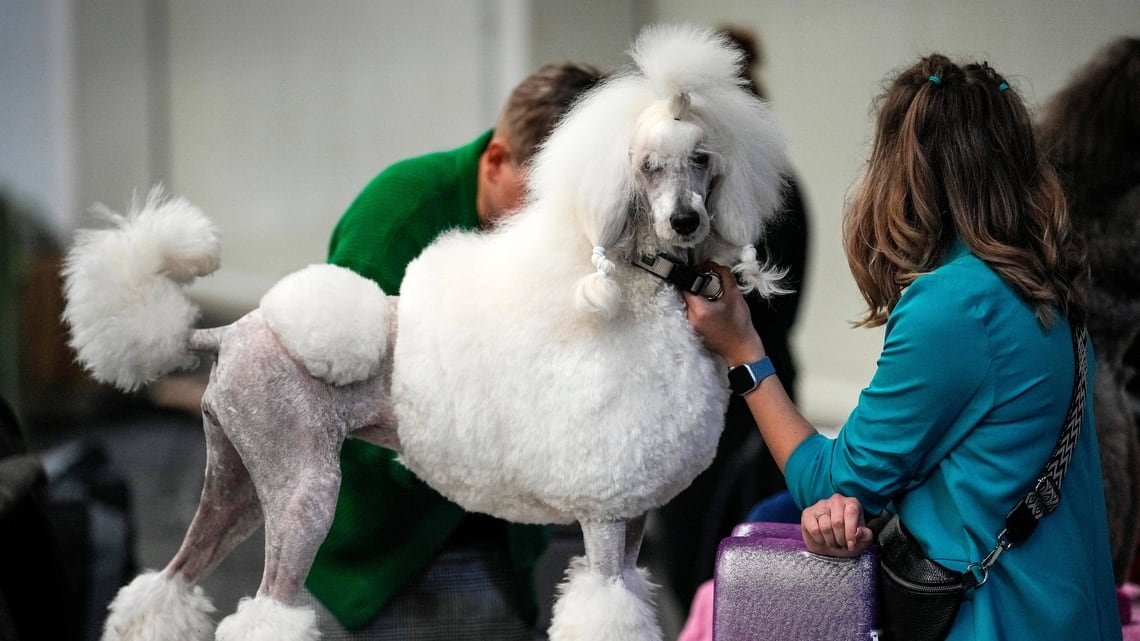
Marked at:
<point>389,525</point>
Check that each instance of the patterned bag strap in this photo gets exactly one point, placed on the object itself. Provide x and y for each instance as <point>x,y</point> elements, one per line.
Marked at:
<point>1043,499</point>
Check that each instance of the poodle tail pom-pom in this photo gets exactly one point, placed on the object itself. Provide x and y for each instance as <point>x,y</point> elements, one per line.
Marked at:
<point>128,316</point>
<point>762,279</point>
<point>188,243</point>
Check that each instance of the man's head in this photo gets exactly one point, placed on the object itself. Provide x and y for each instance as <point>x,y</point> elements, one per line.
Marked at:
<point>531,112</point>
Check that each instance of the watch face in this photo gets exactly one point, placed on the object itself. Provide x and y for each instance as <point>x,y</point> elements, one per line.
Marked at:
<point>740,379</point>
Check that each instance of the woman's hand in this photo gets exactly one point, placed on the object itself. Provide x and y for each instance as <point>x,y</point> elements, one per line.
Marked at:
<point>835,527</point>
<point>725,324</point>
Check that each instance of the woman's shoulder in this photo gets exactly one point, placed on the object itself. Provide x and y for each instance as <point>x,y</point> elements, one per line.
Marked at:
<point>965,298</point>
<point>957,299</point>
<point>964,277</point>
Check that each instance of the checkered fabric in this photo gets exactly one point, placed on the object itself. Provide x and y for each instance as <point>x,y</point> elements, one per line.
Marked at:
<point>468,593</point>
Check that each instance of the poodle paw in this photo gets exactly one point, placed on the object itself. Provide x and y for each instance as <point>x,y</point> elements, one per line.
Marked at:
<point>592,607</point>
<point>266,619</point>
<point>159,607</point>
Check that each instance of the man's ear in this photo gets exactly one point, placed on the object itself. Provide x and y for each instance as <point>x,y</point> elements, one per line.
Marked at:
<point>495,158</point>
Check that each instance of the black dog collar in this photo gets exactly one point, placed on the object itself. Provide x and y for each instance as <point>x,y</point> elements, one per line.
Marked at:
<point>706,284</point>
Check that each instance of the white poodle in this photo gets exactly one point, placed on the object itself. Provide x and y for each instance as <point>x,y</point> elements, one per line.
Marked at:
<point>543,372</point>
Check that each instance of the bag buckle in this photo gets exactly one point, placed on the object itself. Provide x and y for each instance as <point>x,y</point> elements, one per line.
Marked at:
<point>1044,497</point>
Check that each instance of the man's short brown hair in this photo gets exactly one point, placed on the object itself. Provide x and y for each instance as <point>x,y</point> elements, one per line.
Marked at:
<point>538,102</point>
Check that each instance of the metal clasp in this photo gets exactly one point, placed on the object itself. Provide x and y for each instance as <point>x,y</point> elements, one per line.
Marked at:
<point>981,569</point>
<point>711,278</point>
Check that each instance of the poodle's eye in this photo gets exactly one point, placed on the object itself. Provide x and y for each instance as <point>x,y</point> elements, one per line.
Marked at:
<point>648,168</point>
<point>700,159</point>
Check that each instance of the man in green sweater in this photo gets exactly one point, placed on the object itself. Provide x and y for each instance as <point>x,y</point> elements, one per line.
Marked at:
<point>400,560</point>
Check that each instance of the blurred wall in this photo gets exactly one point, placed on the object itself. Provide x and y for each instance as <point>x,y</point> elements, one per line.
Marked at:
<point>272,114</point>
<point>37,132</point>
<point>281,111</point>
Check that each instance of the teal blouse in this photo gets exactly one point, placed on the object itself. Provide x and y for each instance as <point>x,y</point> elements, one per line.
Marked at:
<point>966,404</point>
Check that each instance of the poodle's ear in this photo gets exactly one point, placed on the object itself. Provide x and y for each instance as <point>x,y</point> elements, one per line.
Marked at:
<point>748,190</point>
<point>766,280</point>
<point>603,205</point>
<point>584,168</point>
<point>741,208</point>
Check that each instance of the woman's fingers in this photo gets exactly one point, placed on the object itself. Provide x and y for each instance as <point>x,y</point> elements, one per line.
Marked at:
<point>835,527</point>
<point>818,533</point>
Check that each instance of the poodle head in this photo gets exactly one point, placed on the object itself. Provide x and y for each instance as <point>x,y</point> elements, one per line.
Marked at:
<point>674,156</point>
<point>673,171</point>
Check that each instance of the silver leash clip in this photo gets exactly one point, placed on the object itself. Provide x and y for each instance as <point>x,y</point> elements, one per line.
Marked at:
<point>981,569</point>
<point>712,289</point>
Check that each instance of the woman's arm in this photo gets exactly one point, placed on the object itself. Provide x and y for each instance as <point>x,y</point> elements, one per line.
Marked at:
<point>833,526</point>
<point>726,327</point>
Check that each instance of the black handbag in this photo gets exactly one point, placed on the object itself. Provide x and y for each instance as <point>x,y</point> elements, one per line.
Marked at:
<point>919,598</point>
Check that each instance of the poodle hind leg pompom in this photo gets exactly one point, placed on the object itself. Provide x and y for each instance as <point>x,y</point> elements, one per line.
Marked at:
<point>605,597</point>
<point>159,606</point>
<point>267,619</point>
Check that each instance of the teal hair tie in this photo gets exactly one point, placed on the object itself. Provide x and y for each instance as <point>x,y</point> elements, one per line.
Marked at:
<point>1003,86</point>
<point>935,79</point>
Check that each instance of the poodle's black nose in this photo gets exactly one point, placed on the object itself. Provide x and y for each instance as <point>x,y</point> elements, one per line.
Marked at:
<point>685,222</point>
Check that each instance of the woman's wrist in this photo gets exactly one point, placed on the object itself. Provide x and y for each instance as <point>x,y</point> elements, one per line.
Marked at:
<point>745,352</point>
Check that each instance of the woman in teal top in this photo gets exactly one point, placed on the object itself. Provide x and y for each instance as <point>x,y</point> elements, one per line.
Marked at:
<point>958,239</point>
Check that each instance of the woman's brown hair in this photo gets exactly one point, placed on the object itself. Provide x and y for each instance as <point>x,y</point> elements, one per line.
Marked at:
<point>954,156</point>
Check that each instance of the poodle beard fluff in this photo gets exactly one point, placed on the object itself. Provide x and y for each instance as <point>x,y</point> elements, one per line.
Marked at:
<point>159,607</point>
<point>592,606</point>
<point>265,619</point>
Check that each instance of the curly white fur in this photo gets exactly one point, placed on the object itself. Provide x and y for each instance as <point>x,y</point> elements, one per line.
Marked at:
<point>597,291</point>
<point>264,619</point>
<point>344,338</point>
<point>569,252</point>
<point>128,314</point>
<point>677,58</point>
<point>599,608</point>
<point>159,607</point>
<point>762,279</point>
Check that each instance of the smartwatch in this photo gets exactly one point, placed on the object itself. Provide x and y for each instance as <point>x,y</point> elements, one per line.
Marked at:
<point>742,379</point>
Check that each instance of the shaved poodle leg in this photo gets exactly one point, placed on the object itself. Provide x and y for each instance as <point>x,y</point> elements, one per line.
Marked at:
<point>291,445</point>
<point>228,511</point>
<point>605,546</point>
<point>634,532</point>
<point>295,525</point>
<point>605,597</point>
